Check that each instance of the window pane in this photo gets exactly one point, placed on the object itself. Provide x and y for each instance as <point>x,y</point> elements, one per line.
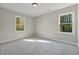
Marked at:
<point>19,24</point>
<point>70,18</point>
<point>66,18</point>
<point>66,27</point>
<point>19,27</point>
<point>61,19</point>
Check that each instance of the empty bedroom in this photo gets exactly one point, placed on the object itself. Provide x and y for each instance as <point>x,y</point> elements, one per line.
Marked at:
<point>39,29</point>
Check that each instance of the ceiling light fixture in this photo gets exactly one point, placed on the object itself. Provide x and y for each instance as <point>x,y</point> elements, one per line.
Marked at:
<point>34,5</point>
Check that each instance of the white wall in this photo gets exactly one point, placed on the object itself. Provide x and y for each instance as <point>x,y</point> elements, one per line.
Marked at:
<point>47,25</point>
<point>8,26</point>
<point>78,26</point>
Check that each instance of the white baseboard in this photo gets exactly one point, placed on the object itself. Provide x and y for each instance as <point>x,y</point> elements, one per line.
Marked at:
<point>7,41</point>
<point>72,43</point>
<point>12,40</point>
<point>66,42</point>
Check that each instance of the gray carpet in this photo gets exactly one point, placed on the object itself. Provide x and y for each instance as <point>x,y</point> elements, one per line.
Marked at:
<point>36,46</point>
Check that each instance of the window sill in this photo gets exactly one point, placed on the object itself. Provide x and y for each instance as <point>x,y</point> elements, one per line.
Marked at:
<point>66,33</point>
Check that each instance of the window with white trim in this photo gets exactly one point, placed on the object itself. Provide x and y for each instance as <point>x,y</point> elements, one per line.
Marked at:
<point>66,22</point>
<point>19,23</point>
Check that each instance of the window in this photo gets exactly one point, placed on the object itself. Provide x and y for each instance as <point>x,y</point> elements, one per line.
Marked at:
<point>66,22</point>
<point>19,23</point>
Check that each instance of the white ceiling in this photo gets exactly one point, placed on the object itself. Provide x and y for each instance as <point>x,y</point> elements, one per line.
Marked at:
<point>28,9</point>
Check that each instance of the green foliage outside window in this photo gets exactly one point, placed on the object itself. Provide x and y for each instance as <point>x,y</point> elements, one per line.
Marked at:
<point>66,23</point>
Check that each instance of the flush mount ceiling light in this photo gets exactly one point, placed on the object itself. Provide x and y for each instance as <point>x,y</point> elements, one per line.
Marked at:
<point>34,5</point>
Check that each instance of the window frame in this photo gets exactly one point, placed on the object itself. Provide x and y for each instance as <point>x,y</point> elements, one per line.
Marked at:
<point>16,24</point>
<point>73,25</point>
